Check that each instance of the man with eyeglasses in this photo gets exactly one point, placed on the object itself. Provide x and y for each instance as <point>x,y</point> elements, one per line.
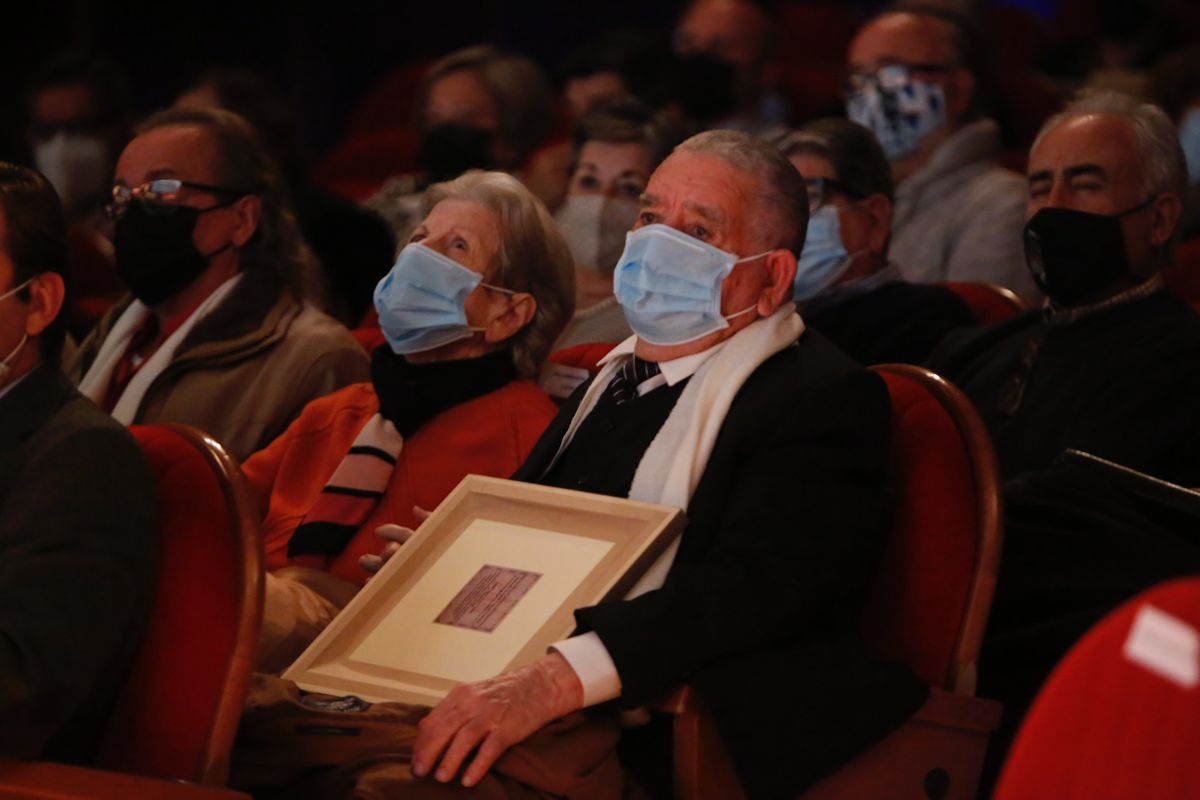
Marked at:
<point>219,331</point>
<point>76,506</point>
<point>913,81</point>
<point>845,285</point>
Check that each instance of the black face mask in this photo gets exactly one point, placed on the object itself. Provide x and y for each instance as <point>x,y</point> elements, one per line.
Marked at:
<point>447,151</point>
<point>1075,255</point>
<point>707,87</point>
<point>156,257</point>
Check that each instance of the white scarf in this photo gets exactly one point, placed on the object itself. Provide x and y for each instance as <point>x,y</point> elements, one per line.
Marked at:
<point>673,463</point>
<point>99,376</point>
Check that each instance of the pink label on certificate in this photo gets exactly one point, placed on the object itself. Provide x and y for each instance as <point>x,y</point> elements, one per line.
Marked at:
<point>487,598</point>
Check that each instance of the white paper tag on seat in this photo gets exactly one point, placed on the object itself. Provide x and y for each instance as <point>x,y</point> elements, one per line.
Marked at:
<point>559,380</point>
<point>1165,645</point>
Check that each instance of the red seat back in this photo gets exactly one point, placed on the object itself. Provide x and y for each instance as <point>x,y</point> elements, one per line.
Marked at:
<point>989,303</point>
<point>1120,715</point>
<point>1183,276</point>
<point>931,598</point>
<point>358,166</point>
<point>178,712</point>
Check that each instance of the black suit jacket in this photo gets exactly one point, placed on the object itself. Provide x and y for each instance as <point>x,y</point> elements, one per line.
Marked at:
<point>785,529</point>
<point>77,554</point>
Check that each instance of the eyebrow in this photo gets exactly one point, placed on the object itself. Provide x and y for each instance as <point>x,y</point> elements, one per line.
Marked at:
<point>710,213</point>
<point>1070,172</point>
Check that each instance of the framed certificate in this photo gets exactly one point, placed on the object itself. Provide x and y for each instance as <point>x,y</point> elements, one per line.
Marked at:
<point>486,584</point>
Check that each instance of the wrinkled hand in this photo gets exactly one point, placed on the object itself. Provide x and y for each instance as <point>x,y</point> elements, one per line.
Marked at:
<point>493,715</point>
<point>395,535</point>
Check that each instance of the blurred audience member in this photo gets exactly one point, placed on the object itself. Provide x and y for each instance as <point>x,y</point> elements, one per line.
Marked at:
<point>617,64</point>
<point>1175,87</point>
<point>913,82</point>
<point>76,506</point>
<point>480,108</point>
<point>845,286</point>
<point>450,394</point>
<point>354,246</point>
<point>614,150</point>
<point>79,110</point>
<point>1110,366</point>
<point>219,331</point>
<point>724,47</point>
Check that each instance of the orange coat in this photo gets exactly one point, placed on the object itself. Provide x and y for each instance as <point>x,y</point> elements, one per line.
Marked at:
<point>490,435</point>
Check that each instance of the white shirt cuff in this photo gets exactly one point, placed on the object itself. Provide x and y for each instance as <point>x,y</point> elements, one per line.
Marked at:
<point>594,667</point>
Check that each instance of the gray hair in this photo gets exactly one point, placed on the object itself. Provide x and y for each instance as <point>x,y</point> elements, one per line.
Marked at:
<point>533,257</point>
<point>782,198</point>
<point>1163,166</point>
<point>853,151</point>
<point>517,84</point>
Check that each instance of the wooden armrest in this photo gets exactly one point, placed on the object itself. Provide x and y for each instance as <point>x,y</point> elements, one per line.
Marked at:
<point>45,780</point>
<point>682,700</point>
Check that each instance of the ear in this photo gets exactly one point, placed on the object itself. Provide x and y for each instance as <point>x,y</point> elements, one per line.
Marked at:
<point>781,279</point>
<point>521,308</point>
<point>960,88</point>
<point>46,294</point>
<point>879,209</point>
<point>1165,212</point>
<point>249,212</point>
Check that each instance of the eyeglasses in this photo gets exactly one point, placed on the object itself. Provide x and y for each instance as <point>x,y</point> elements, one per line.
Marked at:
<point>891,76</point>
<point>161,196</point>
<point>820,189</point>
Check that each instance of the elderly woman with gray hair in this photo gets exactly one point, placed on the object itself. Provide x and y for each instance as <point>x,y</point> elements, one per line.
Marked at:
<point>469,312</point>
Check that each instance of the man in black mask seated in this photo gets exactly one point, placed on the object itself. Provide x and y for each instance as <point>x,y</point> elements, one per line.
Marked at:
<point>723,48</point>
<point>1111,365</point>
<point>219,331</point>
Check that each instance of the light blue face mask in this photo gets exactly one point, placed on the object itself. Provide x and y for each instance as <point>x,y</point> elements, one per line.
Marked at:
<point>824,258</point>
<point>669,285</point>
<point>1189,139</point>
<point>420,301</point>
<point>900,110</point>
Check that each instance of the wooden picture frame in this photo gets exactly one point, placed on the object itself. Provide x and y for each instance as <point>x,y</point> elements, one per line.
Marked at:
<point>485,585</point>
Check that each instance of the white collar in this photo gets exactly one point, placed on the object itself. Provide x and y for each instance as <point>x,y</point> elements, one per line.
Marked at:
<point>675,370</point>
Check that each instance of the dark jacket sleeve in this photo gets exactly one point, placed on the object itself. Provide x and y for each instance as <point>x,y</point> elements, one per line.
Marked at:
<point>785,530</point>
<point>77,549</point>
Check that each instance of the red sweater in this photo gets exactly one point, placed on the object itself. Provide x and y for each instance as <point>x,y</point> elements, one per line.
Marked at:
<point>490,435</point>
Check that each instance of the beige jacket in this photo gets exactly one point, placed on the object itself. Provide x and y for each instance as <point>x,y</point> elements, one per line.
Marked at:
<point>246,370</point>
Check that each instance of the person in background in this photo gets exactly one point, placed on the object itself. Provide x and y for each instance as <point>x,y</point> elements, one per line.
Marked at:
<point>479,108</point>
<point>355,247</point>
<point>1175,87</point>
<point>1110,365</point>
<point>77,541</point>
<point>845,285</point>
<point>914,74</point>
<point>219,330</point>
<point>724,47</point>
<point>79,109</point>
<point>450,394</point>
<point>613,152</point>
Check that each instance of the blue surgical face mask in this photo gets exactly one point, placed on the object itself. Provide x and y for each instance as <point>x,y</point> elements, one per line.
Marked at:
<point>824,258</point>
<point>420,301</point>
<point>1189,138</point>
<point>669,285</point>
<point>899,109</point>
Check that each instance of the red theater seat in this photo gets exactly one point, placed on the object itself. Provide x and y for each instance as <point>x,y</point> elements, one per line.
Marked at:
<point>1120,715</point>
<point>1183,276</point>
<point>360,164</point>
<point>988,302</point>
<point>179,709</point>
<point>928,608</point>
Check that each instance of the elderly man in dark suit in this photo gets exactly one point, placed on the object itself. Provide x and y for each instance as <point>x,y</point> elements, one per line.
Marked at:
<point>773,441</point>
<point>76,506</point>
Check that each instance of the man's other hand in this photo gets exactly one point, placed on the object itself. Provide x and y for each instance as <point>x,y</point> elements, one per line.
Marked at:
<point>493,715</point>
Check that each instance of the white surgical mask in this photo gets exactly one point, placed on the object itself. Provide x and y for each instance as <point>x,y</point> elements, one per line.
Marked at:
<point>595,226</point>
<point>76,166</point>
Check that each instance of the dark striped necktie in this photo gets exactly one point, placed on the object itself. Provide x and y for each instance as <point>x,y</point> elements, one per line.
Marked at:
<point>632,374</point>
